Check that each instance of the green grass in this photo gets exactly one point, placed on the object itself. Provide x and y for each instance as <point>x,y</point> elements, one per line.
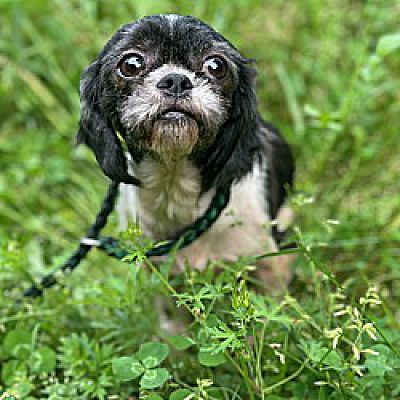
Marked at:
<point>329,77</point>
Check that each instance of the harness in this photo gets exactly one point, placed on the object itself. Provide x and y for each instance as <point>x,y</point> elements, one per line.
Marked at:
<point>112,247</point>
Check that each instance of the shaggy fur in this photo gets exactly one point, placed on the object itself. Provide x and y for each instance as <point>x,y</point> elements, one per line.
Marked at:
<point>188,130</point>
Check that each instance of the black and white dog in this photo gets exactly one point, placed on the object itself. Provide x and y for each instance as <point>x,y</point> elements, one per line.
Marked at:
<point>171,103</point>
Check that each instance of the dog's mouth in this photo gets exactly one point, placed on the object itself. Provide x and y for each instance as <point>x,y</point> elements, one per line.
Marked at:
<point>176,113</point>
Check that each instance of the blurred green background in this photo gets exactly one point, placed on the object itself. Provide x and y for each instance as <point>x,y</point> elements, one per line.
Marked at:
<point>320,80</point>
<point>328,77</point>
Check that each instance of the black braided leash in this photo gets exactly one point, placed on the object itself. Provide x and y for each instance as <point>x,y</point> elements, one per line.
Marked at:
<point>111,245</point>
<point>84,248</point>
<point>181,239</point>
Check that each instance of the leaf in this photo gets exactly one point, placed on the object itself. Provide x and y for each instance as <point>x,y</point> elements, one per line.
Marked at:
<point>387,44</point>
<point>154,378</point>
<point>181,342</point>
<point>377,366</point>
<point>44,360</point>
<point>334,360</point>
<point>22,389</point>
<point>153,396</point>
<point>11,370</point>
<point>382,349</point>
<point>180,394</point>
<point>210,360</point>
<point>152,354</point>
<point>322,355</point>
<point>17,343</point>
<point>127,368</point>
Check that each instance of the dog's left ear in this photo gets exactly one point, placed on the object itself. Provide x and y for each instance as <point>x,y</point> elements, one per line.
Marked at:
<point>96,130</point>
<point>232,153</point>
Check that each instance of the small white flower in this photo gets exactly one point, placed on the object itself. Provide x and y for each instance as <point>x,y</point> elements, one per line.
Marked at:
<point>333,221</point>
<point>339,313</point>
<point>339,306</point>
<point>357,370</point>
<point>370,351</point>
<point>335,341</point>
<point>281,356</point>
<point>321,383</point>
<point>275,345</point>
<point>370,329</point>
<point>356,352</point>
<point>352,326</point>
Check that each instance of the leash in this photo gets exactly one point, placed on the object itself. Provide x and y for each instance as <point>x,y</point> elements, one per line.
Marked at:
<point>112,247</point>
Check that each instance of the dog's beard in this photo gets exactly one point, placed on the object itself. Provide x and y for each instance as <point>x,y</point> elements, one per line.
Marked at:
<point>174,136</point>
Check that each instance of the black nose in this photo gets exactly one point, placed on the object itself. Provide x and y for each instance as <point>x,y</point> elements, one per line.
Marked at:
<point>175,84</point>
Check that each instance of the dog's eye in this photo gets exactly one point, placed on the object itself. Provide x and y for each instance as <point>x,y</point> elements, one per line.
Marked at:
<point>216,66</point>
<point>131,65</point>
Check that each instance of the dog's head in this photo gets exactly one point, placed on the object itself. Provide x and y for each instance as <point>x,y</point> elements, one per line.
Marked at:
<point>171,87</point>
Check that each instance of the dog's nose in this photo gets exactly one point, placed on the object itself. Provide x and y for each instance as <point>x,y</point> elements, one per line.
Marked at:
<point>175,84</point>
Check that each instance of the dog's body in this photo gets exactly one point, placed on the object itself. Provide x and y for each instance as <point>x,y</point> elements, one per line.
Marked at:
<point>171,199</point>
<point>182,99</point>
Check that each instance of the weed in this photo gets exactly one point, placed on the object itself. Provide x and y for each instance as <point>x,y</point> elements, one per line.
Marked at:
<point>329,78</point>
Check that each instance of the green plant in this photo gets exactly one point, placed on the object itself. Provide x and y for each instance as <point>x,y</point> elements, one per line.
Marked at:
<point>143,364</point>
<point>23,360</point>
<point>329,77</point>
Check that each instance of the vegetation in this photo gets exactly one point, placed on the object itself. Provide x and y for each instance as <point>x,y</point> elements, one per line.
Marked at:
<point>329,77</point>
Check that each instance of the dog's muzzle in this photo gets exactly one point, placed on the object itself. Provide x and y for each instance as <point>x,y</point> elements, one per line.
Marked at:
<point>176,130</point>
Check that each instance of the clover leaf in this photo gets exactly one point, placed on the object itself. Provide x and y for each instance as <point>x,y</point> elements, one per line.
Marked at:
<point>152,354</point>
<point>154,378</point>
<point>143,364</point>
<point>127,368</point>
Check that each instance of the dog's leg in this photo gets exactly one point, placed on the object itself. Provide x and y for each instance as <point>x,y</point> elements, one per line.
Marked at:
<point>276,272</point>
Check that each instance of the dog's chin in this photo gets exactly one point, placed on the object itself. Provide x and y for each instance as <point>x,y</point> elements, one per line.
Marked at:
<point>174,135</point>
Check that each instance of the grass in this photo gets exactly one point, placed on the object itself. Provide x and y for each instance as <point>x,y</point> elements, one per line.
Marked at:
<point>329,77</point>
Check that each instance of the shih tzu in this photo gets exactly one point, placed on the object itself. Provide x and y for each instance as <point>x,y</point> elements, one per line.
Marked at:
<point>169,109</point>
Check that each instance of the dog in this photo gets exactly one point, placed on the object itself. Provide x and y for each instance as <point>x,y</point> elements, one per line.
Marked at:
<point>169,109</point>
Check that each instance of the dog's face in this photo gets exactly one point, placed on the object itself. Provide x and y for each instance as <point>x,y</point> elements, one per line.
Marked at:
<point>174,80</point>
<point>172,87</point>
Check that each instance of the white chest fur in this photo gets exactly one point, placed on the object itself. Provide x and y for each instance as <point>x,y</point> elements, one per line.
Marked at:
<point>169,201</point>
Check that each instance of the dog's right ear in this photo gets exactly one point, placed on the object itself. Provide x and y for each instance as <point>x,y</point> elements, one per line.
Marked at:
<point>96,130</point>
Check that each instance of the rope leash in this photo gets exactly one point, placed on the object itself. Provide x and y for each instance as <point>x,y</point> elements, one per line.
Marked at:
<point>83,249</point>
<point>112,248</point>
<point>111,245</point>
